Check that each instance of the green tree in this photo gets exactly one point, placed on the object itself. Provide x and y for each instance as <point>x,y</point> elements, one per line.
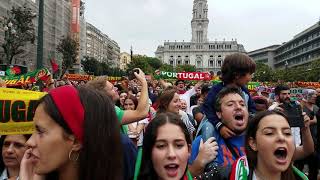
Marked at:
<point>301,73</point>
<point>18,31</point>
<point>155,63</point>
<point>166,67</point>
<point>93,66</point>
<point>313,73</point>
<point>90,65</point>
<point>105,68</point>
<point>279,74</point>
<point>186,68</point>
<point>263,73</point>
<point>69,48</point>
<point>147,64</point>
<point>117,72</point>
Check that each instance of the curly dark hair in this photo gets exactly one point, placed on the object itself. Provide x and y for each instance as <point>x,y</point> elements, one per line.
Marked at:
<point>236,65</point>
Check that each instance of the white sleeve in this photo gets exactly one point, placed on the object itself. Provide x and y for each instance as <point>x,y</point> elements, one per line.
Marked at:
<point>187,95</point>
<point>144,121</point>
<point>186,121</point>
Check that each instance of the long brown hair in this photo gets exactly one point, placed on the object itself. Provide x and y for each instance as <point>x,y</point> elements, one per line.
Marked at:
<point>147,171</point>
<point>251,133</point>
<point>101,130</point>
<point>165,98</point>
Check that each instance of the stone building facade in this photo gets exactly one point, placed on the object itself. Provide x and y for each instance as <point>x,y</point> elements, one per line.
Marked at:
<point>101,47</point>
<point>303,49</point>
<point>264,55</point>
<point>125,59</point>
<point>204,54</point>
<point>57,20</point>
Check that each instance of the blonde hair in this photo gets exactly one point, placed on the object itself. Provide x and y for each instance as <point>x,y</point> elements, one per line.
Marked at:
<point>99,83</point>
<point>2,83</point>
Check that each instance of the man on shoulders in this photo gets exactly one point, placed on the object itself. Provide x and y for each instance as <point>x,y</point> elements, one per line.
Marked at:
<point>232,111</point>
<point>237,70</point>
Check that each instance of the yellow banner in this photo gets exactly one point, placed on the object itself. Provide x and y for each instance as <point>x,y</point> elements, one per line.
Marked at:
<point>17,110</point>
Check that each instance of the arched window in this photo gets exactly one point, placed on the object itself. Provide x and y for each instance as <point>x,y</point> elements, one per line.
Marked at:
<point>211,63</point>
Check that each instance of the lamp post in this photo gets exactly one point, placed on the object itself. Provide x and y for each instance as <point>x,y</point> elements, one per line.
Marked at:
<point>40,35</point>
<point>10,32</point>
<point>286,68</point>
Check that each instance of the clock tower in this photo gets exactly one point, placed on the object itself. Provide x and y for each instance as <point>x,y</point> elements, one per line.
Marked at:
<point>200,21</point>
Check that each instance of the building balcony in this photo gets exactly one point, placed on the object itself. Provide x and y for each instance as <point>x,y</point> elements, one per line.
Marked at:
<point>298,46</point>
<point>295,56</point>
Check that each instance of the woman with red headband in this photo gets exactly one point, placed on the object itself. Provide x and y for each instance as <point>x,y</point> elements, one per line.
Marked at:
<point>74,129</point>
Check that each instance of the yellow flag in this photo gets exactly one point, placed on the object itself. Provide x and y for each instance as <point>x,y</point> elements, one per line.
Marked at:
<point>17,110</point>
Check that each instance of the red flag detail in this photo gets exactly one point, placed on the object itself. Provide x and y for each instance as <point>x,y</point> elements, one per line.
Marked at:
<point>55,66</point>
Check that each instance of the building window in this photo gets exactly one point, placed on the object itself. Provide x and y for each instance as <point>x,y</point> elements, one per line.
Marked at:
<point>219,63</point>
<point>171,62</point>
<point>186,62</point>
<point>211,63</point>
<point>199,64</point>
<point>179,62</point>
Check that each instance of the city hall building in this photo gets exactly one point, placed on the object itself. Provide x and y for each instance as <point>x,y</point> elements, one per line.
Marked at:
<point>204,54</point>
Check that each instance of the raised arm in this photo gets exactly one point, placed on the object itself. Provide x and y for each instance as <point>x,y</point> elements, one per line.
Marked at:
<point>308,145</point>
<point>143,105</point>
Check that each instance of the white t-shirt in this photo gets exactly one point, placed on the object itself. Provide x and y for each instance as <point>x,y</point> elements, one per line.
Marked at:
<point>135,125</point>
<point>186,96</point>
<point>186,121</point>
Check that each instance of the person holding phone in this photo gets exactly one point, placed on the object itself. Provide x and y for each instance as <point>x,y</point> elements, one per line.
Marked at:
<point>125,116</point>
<point>311,110</point>
<point>290,108</point>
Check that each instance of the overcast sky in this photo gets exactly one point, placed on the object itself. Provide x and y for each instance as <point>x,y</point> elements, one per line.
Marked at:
<point>145,24</point>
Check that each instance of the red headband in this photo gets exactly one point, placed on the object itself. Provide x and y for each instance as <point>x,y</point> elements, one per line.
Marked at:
<point>69,105</point>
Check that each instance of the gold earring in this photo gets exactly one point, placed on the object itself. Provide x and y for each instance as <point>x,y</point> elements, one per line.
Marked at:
<point>75,158</point>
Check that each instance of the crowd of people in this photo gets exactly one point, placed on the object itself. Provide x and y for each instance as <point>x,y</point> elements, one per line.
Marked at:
<point>152,129</point>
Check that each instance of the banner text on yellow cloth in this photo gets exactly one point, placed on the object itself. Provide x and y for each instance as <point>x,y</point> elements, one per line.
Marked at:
<point>17,110</point>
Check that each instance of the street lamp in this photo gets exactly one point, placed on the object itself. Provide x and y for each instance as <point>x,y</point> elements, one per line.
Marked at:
<point>286,68</point>
<point>286,64</point>
<point>40,35</point>
<point>10,32</point>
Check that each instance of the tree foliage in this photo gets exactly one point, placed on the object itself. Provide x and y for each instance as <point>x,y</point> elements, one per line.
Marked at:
<point>147,64</point>
<point>69,48</point>
<point>166,67</point>
<point>301,73</point>
<point>18,31</point>
<point>90,65</point>
<point>93,66</point>
<point>150,64</point>
<point>186,68</point>
<point>263,72</point>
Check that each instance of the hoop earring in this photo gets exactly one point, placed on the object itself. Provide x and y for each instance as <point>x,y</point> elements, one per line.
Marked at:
<point>75,158</point>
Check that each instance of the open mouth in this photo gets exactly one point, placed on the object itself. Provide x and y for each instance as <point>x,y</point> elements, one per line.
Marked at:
<point>281,153</point>
<point>239,117</point>
<point>172,169</point>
